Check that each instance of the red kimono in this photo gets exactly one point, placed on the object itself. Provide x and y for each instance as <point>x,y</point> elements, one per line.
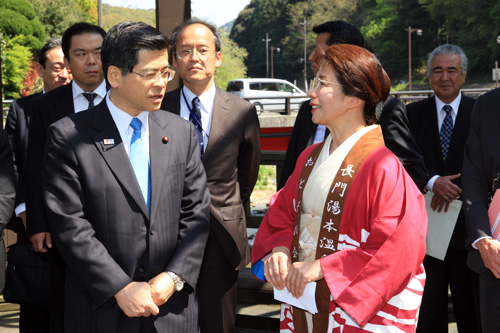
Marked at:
<point>376,277</point>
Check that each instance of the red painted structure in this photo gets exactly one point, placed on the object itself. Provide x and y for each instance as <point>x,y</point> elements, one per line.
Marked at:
<point>275,138</point>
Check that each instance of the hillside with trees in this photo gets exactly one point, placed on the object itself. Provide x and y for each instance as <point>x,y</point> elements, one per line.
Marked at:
<point>473,25</point>
<point>112,15</point>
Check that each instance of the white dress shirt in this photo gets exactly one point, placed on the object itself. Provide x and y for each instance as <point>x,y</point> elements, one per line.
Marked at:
<point>440,117</point>
<point>80,102</point>
<point>207,100</point>
<point>122,121</point>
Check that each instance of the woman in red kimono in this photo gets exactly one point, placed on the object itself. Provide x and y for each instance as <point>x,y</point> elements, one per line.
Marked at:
<point>349,218</point>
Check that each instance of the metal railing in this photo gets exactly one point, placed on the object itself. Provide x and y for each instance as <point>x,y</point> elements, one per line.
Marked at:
<point>292,103</point>
<point>5,107</point>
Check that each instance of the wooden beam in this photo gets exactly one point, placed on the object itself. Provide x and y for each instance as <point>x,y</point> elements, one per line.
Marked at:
<point>169,14</point>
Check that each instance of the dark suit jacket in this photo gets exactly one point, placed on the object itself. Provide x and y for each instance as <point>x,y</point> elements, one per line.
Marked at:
<point>7,195</point>
<point>424,126</point>
<point>231,163</point>
<point>45,110</point>
<point>395,129</point>
<point>17,126</point>
<point>481,166</point>
<point>101,224</point>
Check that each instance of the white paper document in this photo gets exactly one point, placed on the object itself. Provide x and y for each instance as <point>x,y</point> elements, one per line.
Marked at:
<point>307,301</point>
<point>440,227</point>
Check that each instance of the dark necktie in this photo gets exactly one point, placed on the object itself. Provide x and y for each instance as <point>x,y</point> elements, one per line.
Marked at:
<point>90,96</point>
<point>446,131</point>
<point>195,118</point>
<point>140,160</point>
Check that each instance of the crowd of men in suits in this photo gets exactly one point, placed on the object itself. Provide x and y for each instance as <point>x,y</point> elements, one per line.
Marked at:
<point>141,211</point>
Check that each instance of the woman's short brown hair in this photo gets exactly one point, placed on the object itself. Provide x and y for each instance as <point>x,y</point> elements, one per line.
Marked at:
<point>360,74</point>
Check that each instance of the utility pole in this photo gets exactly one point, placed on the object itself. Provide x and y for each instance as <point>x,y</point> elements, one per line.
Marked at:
<point>272,61</point>
<point>419,33</point>
<point>304,23</point>
<point>267,40</point>
<point>99,13</point>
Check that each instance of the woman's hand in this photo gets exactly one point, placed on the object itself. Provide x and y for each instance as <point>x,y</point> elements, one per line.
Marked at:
<point>277,266</point>
<point>300,274</point>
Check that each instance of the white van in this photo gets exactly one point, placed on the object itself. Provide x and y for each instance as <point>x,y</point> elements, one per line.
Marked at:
<point>256,91</point>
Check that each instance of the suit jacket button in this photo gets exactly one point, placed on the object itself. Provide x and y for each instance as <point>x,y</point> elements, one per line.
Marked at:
<point>142,269</point>
<point>152,232</point>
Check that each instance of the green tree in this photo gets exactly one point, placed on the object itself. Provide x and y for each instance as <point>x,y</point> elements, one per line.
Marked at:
<point>250,28</point>
<point>22,35</point>
<point>57,15</point>
<point>233,66</point>
<point>113,15</point>
<point>15,68</point>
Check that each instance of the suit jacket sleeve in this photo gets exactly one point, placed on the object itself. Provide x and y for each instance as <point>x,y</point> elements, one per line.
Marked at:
<point>35,208</point>
<point>399,139</point>
<point>12,130</point>
<point>7,182</point>
<point>249,155</point>
<point>86,256</point>
<point>476,178</point>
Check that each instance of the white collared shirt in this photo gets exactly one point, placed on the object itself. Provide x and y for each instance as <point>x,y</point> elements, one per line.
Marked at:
<point>81,103</point>
<point>207,100</point>
<point>455,104</point>
<point>122,121</point>
<point>441,113</point>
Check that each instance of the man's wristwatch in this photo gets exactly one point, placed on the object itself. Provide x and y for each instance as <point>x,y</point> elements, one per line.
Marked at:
<point>178,281</point>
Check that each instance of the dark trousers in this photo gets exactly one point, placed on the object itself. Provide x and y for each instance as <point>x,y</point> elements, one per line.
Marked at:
<point>489,302</point>
<point>33,319</point>
<point>57,285</point>
<point>434,309</point>
<point>216,290</point>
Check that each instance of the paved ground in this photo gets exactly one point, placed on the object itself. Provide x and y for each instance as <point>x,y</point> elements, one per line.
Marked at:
<point>9,317</point>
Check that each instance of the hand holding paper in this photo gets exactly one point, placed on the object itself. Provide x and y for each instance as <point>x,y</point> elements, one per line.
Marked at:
<point>307,301</point>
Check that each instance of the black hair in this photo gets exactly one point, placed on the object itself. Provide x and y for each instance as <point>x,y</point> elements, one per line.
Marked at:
<point>125,40</point>
<point>341,32</point>
<point>212,28</point>
<point>79,29</point>
<point>51,44</point>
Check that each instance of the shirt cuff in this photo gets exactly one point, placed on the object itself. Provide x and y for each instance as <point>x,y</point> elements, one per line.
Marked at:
<point>20,208</point>
<point>430,184</point>
<point>477,240</point>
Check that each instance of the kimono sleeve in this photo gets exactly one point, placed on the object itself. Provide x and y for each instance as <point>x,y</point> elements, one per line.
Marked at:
<point>383,226</point>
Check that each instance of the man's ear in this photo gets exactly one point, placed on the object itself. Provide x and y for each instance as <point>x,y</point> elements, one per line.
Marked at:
<point>218,59</point>
<point>114,76</point>
<point>39,69</point>
<point>174,61</point>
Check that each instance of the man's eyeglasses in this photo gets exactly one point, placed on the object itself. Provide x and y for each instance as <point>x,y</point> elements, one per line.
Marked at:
<point>317,81</point>
<point>166,75</point>
<point>203,53</point>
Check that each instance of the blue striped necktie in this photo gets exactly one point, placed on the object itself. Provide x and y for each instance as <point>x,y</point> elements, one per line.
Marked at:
<point>140,160</point>
<point>196,120</point>
<point>446,131</point>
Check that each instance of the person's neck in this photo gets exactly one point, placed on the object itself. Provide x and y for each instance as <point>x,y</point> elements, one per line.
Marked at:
<point>88,88</point>
<point>198,89</point>
<point>342,131</point>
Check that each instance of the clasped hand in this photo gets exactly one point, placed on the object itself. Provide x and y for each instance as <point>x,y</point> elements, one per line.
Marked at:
<point>445,192</point>
<point>280,272</point>
<point>142,299</point>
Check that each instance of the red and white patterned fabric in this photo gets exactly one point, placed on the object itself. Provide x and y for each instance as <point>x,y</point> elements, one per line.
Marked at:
<point>376,278</point>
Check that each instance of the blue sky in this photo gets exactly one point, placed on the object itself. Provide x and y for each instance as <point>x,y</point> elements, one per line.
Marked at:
<point>214,11</point>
